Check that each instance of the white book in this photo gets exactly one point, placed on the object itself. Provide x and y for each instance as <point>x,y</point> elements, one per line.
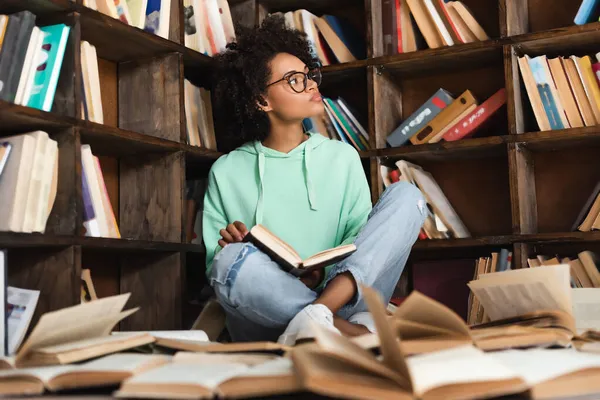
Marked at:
<point>4,333</point>
<point>165,18</point>
<point>94,75</point>
<point>39,53</point>
<point>87,159</point>
<point>29,65</point>
<point>216,24</point>
<point>107,7</point>
<point>437,19</point>
<point>43,211</point>
<point>35,185</point>
<point>21,306</point>
<point>137,11</point>
<point>226,20</point>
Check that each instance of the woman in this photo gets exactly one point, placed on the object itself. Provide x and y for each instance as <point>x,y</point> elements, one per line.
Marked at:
<point>307,189</point>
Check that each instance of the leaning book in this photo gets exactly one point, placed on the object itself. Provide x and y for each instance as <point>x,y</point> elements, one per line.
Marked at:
<point>288,259</point>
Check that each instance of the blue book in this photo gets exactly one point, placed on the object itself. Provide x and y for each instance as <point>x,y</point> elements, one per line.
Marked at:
<point>348,35</point>
<point>587,12</point>
<point>47,73</point>
<point>152,16</point>
<point>420,118</point>
<point>540,71</point>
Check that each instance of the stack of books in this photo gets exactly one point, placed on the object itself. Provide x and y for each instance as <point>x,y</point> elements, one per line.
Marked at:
<point>563,91</point>
<point>444,117</point>
<point>584,267</point>
<point>208,25</point>
<point>99,217</point>
<point>442,221</point>
<point>200,126</point>
<point>589,216</point>
<point>410,25</point>
<point>28,181</point>
<point>339,122</point>
<point>333,40</point>
<point>30,60</point>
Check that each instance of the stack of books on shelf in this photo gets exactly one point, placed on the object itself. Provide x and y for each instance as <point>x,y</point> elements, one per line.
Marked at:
<point>208,25</point>
<point>339,122</point>
<point>564,92</point>
<point>199,121</point>
<point>589,11</point>
<point>30,60</point>
<point>410,25</point>
<point>444,117</point>
<point>28,181</point>
<point>442,221</point>
<point>584,267</point>
<point>333,39</point>
<point>99,218</point>
<point>589,216</point>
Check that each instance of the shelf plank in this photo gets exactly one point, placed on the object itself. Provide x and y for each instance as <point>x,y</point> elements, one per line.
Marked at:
<point>560,139</point>
<point>38,7</point>
<point>18,240</point>
<point>560,237</point>
<point>18,119</point>
<point>569,40</point>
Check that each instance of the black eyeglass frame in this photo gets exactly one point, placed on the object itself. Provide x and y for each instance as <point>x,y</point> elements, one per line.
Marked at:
<point>307,75</point>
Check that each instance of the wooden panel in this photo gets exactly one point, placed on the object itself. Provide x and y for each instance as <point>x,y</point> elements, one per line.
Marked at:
<point>108,91</point>
<point>104,268</point>
<point>176,22</point>
<point>374,29</point>
<point>486,12</point>
<point>514,94</point>
<point>387,101</point>
<point>522,189</point>
<point>478,189</point>
<point>149,97</point>
<point>564,180</point>
<point>521,252</point>
<point>517,13</point>
<point>549,14</point>
<point>54,272</point>
<point>63,219</point>
<point>110,172</point>
<point>155,285</point>
<point>244,13</point>
<point>151,197</point>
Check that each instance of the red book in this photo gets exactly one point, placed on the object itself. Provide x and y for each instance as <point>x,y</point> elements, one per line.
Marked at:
<point>469,124</point>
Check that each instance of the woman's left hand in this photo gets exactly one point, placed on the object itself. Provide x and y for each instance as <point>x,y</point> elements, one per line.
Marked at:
<point>313,279</point>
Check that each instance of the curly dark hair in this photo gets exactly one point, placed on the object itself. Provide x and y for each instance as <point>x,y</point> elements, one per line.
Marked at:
<point>241,76</point>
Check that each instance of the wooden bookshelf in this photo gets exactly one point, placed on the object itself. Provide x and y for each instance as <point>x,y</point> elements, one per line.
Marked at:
<point>513,186</point>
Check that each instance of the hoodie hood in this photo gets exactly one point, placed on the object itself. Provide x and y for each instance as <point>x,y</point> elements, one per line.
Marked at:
<point>303,150</point>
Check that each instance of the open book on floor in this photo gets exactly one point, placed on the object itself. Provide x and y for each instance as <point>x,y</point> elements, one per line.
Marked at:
<point>79,333</point>
<point>288,259</point>
<point>106,371</point>
<point>216,347</point>
<point>424,325</point>
<point>200,375</point>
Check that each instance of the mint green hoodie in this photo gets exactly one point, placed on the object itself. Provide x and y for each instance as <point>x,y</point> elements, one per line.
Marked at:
<point>315,197</point>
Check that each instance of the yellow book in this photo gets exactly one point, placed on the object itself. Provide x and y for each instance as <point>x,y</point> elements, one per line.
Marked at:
<point>584,68</point>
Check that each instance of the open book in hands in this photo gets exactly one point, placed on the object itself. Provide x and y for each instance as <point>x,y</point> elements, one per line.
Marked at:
<point>288,259</point>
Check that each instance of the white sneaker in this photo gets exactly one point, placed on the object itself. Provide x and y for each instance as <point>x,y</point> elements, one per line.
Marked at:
<point>299,327</point>
<point>363,318</point>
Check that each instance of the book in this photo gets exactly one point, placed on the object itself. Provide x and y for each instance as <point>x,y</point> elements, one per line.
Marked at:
<point>288,259</point>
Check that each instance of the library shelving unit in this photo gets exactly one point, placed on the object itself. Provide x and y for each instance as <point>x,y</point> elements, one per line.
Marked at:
<point>513,186</point>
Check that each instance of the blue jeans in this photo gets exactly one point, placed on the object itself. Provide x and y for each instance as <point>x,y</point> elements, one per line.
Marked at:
<point>260,299</point>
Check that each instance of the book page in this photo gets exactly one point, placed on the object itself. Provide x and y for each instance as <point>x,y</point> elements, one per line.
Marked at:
<point>83,321</point>
<point>512,293</point>
<point>275,244</point>
<point>219,358</point>
<point>87,343</point>
<point>535,366</point>
<point>586,309</point>
<point>20,306</point>
<point>208,376</point>
<point>463,364</point>
<point>281,366</point>
<point>329,254</point>
<point>123,362</point>
<point>44,374</point>
<point>188,335</point>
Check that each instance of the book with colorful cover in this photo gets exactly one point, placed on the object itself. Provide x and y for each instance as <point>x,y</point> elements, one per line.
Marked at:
<point>48,71</point>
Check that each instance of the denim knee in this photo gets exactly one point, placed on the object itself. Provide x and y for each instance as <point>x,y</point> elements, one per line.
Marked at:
<point>226,266</point>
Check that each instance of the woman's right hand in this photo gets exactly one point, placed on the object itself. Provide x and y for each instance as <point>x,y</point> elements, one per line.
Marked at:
<point>233,233</point>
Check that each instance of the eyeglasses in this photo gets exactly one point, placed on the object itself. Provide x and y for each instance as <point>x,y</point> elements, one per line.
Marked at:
<point>298,81</point>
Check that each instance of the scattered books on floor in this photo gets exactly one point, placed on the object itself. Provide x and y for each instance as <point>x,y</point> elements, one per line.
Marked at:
<point>339,122</point>
<point>31,58</point>
<point>333,39</point>
<point>442,221</point>
<point>410,25</point>
<point>589,216</point>
<point>91,99</point>
<point>444,117</point>
<point>208,25</point>
<point>200,126</point>
<point>563,91</point>
<point>589,11</point>
<point>99,217</point>
<point>28,181</point>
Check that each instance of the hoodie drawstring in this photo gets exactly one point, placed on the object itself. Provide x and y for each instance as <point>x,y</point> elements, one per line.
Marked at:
<point>312,200</point>
<point>261,189</point>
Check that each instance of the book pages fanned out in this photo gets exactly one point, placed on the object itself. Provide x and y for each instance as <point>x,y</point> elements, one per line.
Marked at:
<point>586,309</point>
<point>512,293</point>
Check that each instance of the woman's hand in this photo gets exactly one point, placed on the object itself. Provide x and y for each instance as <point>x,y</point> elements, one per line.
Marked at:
<point>233,233</point>
<point>313,279</point>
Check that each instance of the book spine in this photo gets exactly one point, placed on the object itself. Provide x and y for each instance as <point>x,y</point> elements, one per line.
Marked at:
<point>469,125</point>
<point>90,222</point>
<point>585,12</point>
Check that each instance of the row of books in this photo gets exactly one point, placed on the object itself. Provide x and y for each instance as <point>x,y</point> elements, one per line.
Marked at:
<point>564,92</point>
<point>333,40</point>
<point>208,25</point>
<point>442,222</point>
<point>444,117</point>
<point>30,60</point>
<point>199,121</point>
<point>150,15</point>
<point>410,25</point>
<point>589,216</point>
<point>28,181</point>
<point>584,267</point>
<point>338,122</point>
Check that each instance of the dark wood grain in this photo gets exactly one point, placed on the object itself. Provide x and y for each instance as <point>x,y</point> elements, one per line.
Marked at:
<point>53,271</point>
<point>38,7</point>
<point>562,139</point>
<point>176,33</point>
<point>243,13</point>
<point>388,104</point>
<point>109,92</point>
<point>150,197</point>
<point>522,189</point>
<point>517,16</point>
<point>544,15</point>
<point>149,97</point>
<point>572,40</point>
<point>19,119</point>
<point>520,255</point>
<point>155,285</point>
<point>514,92</point>
<point>374,28</point>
